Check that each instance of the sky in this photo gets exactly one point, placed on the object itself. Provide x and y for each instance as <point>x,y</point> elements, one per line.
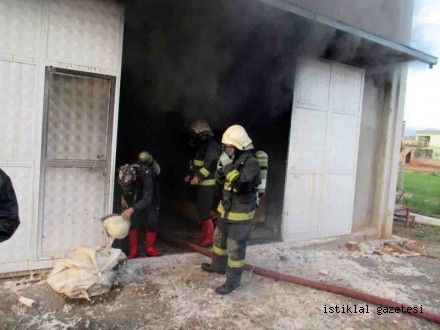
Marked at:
<point>422,104</point>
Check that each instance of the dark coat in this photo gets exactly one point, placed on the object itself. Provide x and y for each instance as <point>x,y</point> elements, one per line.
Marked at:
<point>205,159</point>
<point>148,195</point>
<point>239,180</point>
<point>9,217</point>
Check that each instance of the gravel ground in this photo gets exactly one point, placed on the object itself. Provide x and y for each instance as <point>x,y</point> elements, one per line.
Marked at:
<point>171,292</point>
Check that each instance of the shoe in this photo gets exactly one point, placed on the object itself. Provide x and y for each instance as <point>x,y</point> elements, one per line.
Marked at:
<point>225,289</point>
<point>208,268</point>
<point>207,233</point>
<point>150,238</point>
<point>133,240</point>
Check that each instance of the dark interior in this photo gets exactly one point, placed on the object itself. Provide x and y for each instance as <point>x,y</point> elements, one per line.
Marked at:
<point>227,61</point>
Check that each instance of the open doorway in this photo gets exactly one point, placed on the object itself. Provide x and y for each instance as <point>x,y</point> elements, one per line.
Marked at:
<point>229,62</point>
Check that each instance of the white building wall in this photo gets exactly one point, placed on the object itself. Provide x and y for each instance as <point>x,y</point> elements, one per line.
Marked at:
<point>321,172</point>
<point>371,147</point>
<point>435,141</point>
<point>82,35</point>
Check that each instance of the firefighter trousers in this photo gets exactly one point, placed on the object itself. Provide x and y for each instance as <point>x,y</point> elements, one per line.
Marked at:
<point>205,201</point>
<point>146,219</point>
<point>229,249</point>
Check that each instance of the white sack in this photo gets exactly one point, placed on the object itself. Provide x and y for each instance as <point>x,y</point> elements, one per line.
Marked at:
<point>89,272</point>
<point>116,226</point>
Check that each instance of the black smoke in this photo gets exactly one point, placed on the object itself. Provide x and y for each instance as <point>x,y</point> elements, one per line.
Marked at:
<point>227,61</point>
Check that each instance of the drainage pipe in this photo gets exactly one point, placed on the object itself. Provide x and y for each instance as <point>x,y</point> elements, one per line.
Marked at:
<point>318,285</point>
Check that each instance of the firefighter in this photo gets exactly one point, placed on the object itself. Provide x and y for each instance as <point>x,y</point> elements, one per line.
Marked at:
<point>9,217</point>
<point>141,205</point>
<point>202,174</point>
<point>238,172</point>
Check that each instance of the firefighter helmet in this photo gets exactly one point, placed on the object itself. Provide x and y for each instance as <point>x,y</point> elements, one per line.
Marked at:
<point>236,136</point>
<point>200,126</point>
<point>145,157</point>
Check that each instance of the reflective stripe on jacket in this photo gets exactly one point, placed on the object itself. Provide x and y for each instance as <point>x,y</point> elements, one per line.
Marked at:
<point>239,179</point>
<point>204,163</point>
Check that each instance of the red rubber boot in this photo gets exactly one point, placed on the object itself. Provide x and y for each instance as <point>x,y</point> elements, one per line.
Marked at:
<point>150,238</point>
<point>208,233</point>
<point>133,239</point>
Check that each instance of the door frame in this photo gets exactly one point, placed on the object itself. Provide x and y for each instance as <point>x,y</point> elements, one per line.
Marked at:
<point>107,161</point>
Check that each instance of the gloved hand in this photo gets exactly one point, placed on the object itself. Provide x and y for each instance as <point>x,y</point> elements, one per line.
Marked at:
<point>127,213</point>
<point>188,178</point>
<point>219,175</point>
<point>194,181</point>
<point>226,200</point>
<point>219,172</point>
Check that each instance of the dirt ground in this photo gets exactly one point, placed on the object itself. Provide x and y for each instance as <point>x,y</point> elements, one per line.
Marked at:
<point>171,292</point>
<point>427,236</point>
<point>422,168</point>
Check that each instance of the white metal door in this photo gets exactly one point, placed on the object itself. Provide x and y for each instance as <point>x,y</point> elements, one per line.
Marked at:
<point>326,114</point>
<point>75,161</point>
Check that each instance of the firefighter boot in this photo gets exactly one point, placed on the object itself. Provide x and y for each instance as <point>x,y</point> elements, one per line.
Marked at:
<point>198,236</point>
<point>133,240</point>
<point>207,233</point>
<point>218,265</point>
<point>150,237</point>
<point>233,279</point>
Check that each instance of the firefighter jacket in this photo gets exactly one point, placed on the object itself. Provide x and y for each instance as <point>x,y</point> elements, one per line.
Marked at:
<point>204,163</point>
<point>239,181</point>
<point>148,191</point>
<point>9,217</point>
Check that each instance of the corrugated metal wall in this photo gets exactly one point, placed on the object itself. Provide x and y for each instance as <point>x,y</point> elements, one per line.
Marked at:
<point>81,35</point>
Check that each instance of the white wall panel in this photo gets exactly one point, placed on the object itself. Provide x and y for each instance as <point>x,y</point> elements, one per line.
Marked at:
<point>82,35</point>
<point>342,142</point>
<point>313,92</point>
<point>336,213</point>
<point>20,25</point>
<point>85,32</point>
<point>78,117</point>
<point>344,90</point>
<point>17,247</point>
<point>303,210</point>
<point>73,204</point>
<point>17,110</point>
<point>319,195</point>
<point>310,143</point>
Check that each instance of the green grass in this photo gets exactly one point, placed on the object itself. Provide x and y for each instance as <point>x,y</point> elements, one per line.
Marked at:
<point>422,192</point>
<point>428,232</point>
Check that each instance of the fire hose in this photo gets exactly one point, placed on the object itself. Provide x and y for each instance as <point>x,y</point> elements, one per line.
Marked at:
<point>316,285</point>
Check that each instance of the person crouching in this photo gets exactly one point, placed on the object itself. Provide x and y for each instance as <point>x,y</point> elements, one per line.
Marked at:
<point>141,202</point>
